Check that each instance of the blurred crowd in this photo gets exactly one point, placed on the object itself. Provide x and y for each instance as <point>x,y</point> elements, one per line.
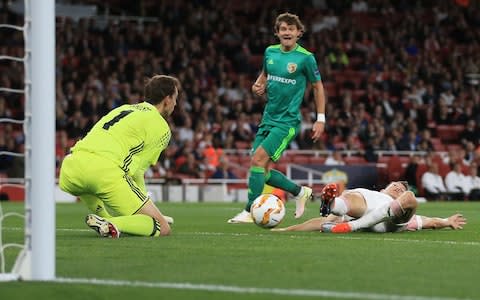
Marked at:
<point>393,72</point>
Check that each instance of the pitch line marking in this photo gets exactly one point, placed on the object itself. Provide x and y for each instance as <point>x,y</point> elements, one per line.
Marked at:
<point>247,290</point>
<point>325,236</point>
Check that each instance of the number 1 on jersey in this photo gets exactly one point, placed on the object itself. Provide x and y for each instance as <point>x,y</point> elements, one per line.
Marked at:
<point>117,118</point>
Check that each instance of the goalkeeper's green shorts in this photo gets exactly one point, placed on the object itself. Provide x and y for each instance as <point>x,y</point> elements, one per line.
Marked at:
<point>88,174</point>
<point>274,140</point>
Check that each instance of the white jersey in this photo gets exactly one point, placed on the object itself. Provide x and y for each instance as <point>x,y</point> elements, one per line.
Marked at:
<point>373,199</point>
<point>376,199</point>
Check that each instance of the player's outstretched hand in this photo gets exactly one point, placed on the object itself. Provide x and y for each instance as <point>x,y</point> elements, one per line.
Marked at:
<point>457,221</point>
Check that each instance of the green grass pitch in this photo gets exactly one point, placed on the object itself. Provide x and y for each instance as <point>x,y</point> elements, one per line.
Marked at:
<point>206,258</point>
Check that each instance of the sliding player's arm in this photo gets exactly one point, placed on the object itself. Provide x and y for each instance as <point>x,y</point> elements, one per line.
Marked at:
<point>456,221</point>
<point>314,224</point>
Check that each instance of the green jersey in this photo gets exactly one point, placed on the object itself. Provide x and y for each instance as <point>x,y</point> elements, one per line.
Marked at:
<point>132,136</point>
<point>287,75</point>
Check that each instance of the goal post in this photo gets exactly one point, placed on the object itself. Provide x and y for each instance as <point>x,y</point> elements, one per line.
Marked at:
<point>40,218</point>
<point>37,259</point>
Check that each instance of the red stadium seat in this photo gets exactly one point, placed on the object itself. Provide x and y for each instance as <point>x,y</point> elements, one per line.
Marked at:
<point>437,144</point>
<point>331,89</point>
<point>450,133</point>
<point>317,160</point>
<point>300,159</point>
<point>395,168</point>
<point>13,192</point>
<point>384,159</point>
<point>421,169</point>
<point>355,160</point>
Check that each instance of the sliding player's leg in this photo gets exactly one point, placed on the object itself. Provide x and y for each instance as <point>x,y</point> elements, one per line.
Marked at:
<point>398,211</point>
<point>349,203</point>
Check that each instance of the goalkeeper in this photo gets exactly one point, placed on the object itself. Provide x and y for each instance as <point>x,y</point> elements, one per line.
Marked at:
<point>106,168</point>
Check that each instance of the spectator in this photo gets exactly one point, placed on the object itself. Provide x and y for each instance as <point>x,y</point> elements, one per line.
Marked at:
<point>456,182</point>
<point>223,170</point>
<point>473,183</point>
<point>411,173</point>
<point>191,167</point>
<point>470,133</point>
<point>433,184</point>
<point>328,22</point>
<point>334,159</point>
<point>212,155</point>
<point>359,6</point>
<point>101,67</point>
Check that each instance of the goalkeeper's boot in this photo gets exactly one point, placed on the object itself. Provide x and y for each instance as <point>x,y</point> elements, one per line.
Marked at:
<point>336,227</point>
<point>329,192</point>
<point>102,226</point>
<point>300,201</point>
<point>241,218</point>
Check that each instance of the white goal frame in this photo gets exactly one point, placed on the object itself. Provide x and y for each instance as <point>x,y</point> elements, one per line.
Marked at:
<point>36,260</point>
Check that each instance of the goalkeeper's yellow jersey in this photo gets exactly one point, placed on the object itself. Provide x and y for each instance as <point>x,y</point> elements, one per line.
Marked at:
<point>132,136</point>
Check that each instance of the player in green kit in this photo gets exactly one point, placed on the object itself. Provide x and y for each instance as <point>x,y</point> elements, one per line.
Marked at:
<point>287,68</point>
<point>106,168</point>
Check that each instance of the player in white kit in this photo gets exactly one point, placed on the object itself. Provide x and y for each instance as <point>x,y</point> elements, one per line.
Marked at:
<point>389,210</point>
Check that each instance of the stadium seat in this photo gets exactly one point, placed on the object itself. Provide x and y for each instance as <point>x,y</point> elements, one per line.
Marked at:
<point>454,147</point>
<point>355,160</point>
<point>331,89</point>
<point>300,159</point>
<point>421,169</point>
<point>383,159</point>
<point>13,192</point>
<point>357,94</point>
<point>317,160</point>
<point>282,167</point>
<point>449,133</point>
<point>437,144</point>
<point>395,168</point>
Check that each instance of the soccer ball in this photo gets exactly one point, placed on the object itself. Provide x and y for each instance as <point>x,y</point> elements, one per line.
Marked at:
<point>267,210</point>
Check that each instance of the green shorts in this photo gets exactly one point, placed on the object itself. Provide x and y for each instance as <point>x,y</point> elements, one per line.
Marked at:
<point>274,140</point>
<point>88,174</point>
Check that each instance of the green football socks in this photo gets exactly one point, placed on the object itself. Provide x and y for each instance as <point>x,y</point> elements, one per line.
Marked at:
<point>256,182</point>
<point>279,180</point>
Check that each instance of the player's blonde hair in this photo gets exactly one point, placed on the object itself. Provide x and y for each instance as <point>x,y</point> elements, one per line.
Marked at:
<point>290,19</point>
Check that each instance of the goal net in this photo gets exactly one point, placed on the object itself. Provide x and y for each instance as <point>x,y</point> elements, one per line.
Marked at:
<point>36,258</point>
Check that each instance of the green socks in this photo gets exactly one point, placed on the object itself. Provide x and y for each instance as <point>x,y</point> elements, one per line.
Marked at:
<point>279,180</point>
<point>256,182</point>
